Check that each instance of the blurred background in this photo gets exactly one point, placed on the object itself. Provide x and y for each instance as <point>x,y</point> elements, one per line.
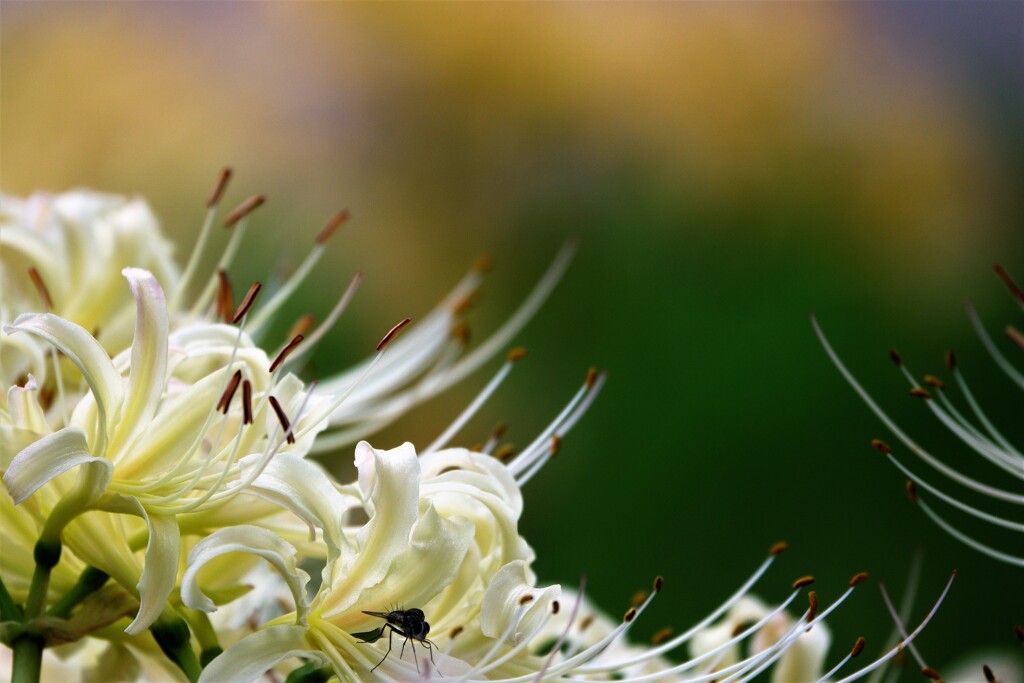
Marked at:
<point>727,168</point>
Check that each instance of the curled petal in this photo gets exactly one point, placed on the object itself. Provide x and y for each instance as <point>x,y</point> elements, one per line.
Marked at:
<point>245,539</point>
<point>86,353</point>
<point>506,598</point>
<point>251,657</point>
<point>149,357</point>
<point>49,457</point>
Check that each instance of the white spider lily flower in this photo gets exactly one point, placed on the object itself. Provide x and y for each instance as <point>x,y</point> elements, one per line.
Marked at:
<point>64,253</point>
<point>170,439</point>
<point>975,429</point>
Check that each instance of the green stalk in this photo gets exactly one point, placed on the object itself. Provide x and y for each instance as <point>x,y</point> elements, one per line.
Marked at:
<point>174,638</point>
<point>89,581</point>
<point>28,659</point>
<point>9,610</point>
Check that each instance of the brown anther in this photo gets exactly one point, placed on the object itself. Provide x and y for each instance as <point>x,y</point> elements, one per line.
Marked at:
<point>881,446</point>
<point>1015,336</point>
<point>895,357</point>
<point>778,548</point>
<point>463,304</point>
<point>661,636</point>
<point>526,599</point>
<point>803,581</point>
<point>591,377</point>
<point>503,452</point>
<point>392,333</point>
<point>918,392</point>
<point>455,631</point>
<point>931,673</point>
<point>225,296</point>
<point>247,402</point>
<point>858,647</point>
<point>911,491</point>
<point>738,629</point>
<point>286,351</point>
<point>659,583</point>
<point>859,578</point>
<point>499,431</point>
<point>229,392</point>
<point>461,333</point>
<point>556,445</point>
<point>1018,294</point>
<point>555,607</point>
<point>44,293</point>
<point>812,609</point>
<point>336,222</point>
<point>483,264</point>
<point>302,325</point>
<point>516,354</point>
<point>989,676</point>
<point>244,209</point>
<point>1019,630</point>
<point>218,190</point>
<point>283,419</point>
<point>247,301</point>
<point>950,360</point>
<point>630,615</point>
<point>586,621</point>
<point>933,381</point>
<point>638,598</point>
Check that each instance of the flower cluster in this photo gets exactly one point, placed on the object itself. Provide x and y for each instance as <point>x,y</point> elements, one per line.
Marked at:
<point>162,520</point>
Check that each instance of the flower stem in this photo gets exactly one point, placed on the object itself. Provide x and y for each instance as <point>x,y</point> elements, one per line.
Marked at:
<point>89,581</point>
<point>28,659</point>
<point>310,673</point>
<point>9,610</point>
<point>47,555</point>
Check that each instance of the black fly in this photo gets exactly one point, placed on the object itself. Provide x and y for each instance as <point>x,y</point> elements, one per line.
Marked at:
<point>411,624</point>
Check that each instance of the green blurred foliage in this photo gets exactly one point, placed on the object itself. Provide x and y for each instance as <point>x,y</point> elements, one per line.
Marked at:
<point>728,168</point>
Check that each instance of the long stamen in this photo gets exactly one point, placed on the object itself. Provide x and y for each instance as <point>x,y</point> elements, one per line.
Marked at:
<point>967,540</point>
<point>898,623</point>
<point>329,321</point>
<point>477,402</point>
<point>240,217</point>
<point>293,282</point>
<point>565,632</point>
<point>204,234</point>
<point>990,346</point>
<point>858,647</point>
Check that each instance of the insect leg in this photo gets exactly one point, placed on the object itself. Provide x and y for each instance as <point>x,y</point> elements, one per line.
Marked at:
<point>390,633</point>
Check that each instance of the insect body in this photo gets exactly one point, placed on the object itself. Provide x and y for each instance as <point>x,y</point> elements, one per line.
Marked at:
<point>411,624</point>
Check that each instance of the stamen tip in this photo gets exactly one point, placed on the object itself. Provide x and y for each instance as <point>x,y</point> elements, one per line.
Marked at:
<point>931,673</point>
<point>638,598</point>
<point>812,606</point>
<point>392,333</point>
<point>661,636</point>
<point>630,615</point>
<point>336,222</point>
<point>778,548</point>
<point>881,446</point>
<point>659,583</point>
<point>858,647</point>
<point>918,392</point>
<point>526,599</point>
<point>858,578</point>
<point>247,302</point>
<point>244,209</point>
<point>555,606</point>
<point>989,676</point>
<point>556,445</point>
<point>950,360</point>
<point>895,357</point>
<point>518,353</point>
<point>803,581</point>
<point>591,377</point>
<point>911,491</point>
<point>933,381</point>
<point>218,190</point>
<point>483,264</point>
<point>455,631</point>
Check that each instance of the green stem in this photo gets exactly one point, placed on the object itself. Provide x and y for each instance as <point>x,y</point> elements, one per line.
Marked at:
<point>310,673</point>
<point>89,581</point>
<point>28,659</point>
<point>199,622</point>
<point>9,610</point>
<point>47,555</point>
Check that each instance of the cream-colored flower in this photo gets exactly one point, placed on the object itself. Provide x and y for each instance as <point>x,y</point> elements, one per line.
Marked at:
<point>178,424</point>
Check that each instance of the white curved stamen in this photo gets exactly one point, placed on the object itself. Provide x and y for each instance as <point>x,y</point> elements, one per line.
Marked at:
<point>193,260</point>
<point>264,314</point>
<point>471,409</point>
<point>230,250</point>
<point>990,346</point>
<point>967,540</point>
<point>313,339</point>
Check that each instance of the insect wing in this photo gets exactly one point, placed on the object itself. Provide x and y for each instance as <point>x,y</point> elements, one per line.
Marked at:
<point>370,636</point>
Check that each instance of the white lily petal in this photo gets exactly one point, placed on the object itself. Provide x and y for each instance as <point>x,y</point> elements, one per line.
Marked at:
<point>306,489</point>
<point>26,413</point>
<point>86,353</point>
<point>390,484</point>
<point>149,358</point>
<point>160,572</point>
<point>245,539</point>
<point>502,601</point>
<point>251,657</point>
<point>49,457</point>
